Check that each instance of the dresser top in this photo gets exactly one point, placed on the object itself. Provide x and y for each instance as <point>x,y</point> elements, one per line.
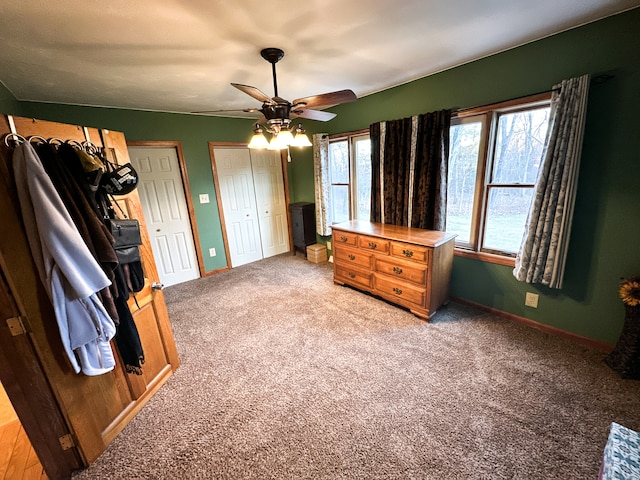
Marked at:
<point>418,236</point>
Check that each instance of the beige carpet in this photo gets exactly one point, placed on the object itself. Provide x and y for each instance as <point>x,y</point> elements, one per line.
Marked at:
<point>286,375</point>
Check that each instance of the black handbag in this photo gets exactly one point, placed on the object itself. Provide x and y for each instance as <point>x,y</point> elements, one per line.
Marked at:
<point>127,239</point>
<point>126,232</point>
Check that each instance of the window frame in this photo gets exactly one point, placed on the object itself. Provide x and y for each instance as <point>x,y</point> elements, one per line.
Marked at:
<point>488,115</point>
<point>351,138</point>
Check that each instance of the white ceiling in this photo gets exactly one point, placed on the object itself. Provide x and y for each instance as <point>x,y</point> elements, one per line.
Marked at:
<point>181,55</point>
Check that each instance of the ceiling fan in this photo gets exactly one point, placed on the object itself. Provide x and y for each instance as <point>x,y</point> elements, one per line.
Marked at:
<point>277,112</point>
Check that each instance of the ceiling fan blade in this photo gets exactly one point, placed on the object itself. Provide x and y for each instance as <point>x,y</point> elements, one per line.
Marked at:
<point>326,99</point>
<point>233,110</point>
<point>312,114</point>
<point>253,92</point>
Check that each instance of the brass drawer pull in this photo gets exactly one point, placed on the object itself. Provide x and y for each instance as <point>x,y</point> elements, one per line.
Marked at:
<point>352,275</point>
<point>352,256</point>
<point>373,245</point>
<point>397,270</point>
<point>397,291</point>
<point>343,238</point>
<point>407,253</point>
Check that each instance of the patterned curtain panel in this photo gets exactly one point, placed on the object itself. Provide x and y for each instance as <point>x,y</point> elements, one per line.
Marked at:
<point>429,207</point>
<point>377,183</point>
<point>322,181</point>
<point>543,252</point>
<point>409,170</point>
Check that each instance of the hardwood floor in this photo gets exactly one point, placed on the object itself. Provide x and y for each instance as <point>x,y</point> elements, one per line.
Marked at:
<point>18,460</point>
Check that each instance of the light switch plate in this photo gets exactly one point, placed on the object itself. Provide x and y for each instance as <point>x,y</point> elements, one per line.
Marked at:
<point>204,198</point>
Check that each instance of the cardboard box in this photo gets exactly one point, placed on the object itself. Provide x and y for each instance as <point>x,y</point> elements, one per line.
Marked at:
<point>317,253</point>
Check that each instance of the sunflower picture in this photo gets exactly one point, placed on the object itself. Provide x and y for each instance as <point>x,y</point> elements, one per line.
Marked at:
<point>630,291</point>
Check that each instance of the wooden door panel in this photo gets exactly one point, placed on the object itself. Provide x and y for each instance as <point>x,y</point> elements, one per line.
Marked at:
<point>155,359</point>
<point>95,408</point>
<point>21,374</point>
<point>88,403</point>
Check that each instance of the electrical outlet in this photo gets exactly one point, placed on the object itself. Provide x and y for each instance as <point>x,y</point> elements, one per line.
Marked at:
<point>212,252</point>
<point>329,246</point>
<point>531,300</point>
<point>204,198</point>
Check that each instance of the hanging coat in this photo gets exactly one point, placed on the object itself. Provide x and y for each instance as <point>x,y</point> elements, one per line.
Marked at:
<point>59,165</point>
<point>67,269</point>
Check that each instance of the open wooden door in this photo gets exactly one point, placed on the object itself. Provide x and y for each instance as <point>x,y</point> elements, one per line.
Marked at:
<point>21,374</point>
<point>95,409</point>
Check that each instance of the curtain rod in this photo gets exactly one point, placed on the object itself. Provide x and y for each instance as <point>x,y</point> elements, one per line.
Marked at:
<point>597,79</point>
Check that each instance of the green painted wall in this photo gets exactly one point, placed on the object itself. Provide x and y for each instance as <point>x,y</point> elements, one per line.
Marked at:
<point>606,224</point>
<point>8,103</point>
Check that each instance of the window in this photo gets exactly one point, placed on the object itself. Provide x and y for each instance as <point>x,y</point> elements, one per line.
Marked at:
<point>495,153</point>
<point>350,169</point>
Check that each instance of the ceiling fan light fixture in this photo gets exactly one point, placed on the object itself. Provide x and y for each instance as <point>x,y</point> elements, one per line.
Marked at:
<point>300,139</point>
<point>285,137</point>
<point>274,144</point>
<point>258,140</point>
<point>278,141</point>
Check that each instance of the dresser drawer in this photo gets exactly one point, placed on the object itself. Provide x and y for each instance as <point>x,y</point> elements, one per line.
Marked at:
<point>399,290</point>
<point>352,256</point>
<point>345,238</point>
<point>408,271</point>
<point>373,243</point>
<point>409,251</point>
<point>353,275</point>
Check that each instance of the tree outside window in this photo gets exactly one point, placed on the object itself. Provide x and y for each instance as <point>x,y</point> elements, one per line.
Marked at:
<point>494,159</point>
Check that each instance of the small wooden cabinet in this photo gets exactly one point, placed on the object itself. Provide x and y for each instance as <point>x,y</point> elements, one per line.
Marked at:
<point>303,225</point>
<point>410,267</point>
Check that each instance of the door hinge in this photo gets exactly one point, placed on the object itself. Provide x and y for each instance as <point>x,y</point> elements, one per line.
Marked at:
<point>16,327</point>
<point>67,442</point>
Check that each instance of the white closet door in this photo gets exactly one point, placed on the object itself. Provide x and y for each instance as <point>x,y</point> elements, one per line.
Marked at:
<point>165,210</point>
<point>237,193</point>
<point>270,200</point>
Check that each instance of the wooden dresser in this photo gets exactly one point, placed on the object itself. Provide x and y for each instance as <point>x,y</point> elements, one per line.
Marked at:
<point>410,267</point>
